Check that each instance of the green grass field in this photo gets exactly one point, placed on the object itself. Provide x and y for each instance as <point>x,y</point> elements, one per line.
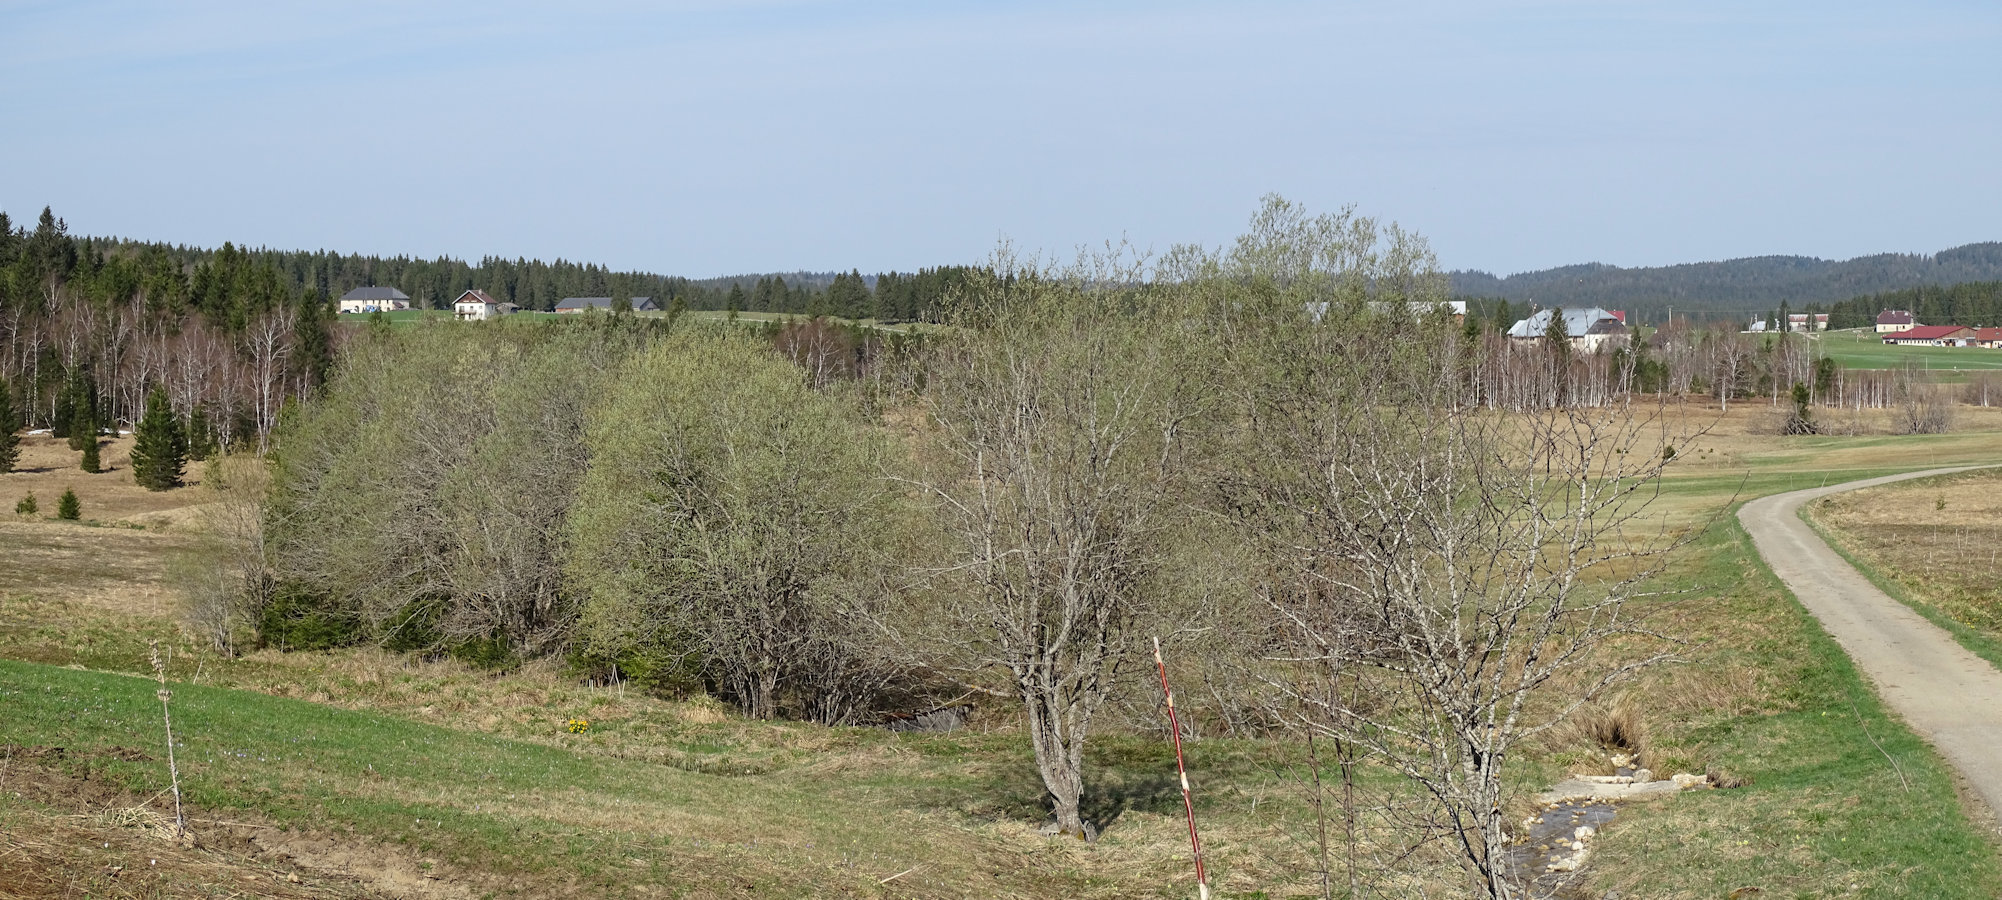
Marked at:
<point>1866,350</point>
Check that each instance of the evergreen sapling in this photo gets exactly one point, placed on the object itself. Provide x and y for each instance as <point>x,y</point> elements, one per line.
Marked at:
<point>160,450</point>
<point>69,507</point>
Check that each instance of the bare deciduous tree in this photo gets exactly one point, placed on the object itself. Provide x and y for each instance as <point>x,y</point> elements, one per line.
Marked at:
<point>1446,582</point>
<point>1056,415</point>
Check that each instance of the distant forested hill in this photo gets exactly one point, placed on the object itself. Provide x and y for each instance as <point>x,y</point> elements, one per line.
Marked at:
<point>1736,286</point>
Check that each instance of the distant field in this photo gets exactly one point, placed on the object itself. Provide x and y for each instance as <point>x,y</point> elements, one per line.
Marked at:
<point>1865,350</point>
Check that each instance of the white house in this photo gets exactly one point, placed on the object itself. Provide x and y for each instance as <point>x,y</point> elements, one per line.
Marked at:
<point>1891,320</point>
<point>1590,328</point>
<point>374,299</point>
<point>476,306</point>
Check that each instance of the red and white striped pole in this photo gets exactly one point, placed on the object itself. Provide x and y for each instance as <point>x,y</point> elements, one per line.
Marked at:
<point>1181,768</point>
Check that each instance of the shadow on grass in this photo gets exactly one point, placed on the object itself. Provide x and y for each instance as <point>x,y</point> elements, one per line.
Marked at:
<point>1122,775</point>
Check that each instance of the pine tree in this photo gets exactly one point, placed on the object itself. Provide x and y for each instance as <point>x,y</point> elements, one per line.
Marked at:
<point>160,450</point>
<point>63,414</point>
<point>69,507</point>
<point>10,430</point>
<point>27,505</point>
<point>200,436</point>
<point>83,420</point>
<point>91,463</point>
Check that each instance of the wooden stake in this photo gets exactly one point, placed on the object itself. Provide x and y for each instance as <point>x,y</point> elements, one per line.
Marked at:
<point>1182,769</point>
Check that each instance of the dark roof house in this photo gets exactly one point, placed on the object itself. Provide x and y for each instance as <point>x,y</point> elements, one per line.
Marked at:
<point>1895,317</point>
<point>375,293</point>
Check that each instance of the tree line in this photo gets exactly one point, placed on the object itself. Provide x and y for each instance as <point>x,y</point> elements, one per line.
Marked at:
<point>89,329</point>
<point>1973,303</point>
<point>1738,286</point>
<point>1258,453</point>
<point>533,284</point>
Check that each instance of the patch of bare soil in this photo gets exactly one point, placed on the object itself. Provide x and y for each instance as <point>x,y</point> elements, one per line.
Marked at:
<point>67,836</point>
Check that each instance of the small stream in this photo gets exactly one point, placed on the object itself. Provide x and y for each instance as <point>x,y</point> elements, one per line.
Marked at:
<point>1552,853</point>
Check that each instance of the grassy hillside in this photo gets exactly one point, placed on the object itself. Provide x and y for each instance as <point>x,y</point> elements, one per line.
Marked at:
<point>380,771</point>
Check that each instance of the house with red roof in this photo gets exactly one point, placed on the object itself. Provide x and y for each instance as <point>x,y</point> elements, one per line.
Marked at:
<point>1931,336</point>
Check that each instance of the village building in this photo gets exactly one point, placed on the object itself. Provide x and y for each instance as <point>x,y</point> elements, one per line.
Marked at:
<point>373,299</point>
<point>476,306</point>
<point>1895,320</point>
<point>1802,323</point>
<point>1988,338</point>
<point>1932,336</point>
<point>1590,328</point>
<point>576,305</point>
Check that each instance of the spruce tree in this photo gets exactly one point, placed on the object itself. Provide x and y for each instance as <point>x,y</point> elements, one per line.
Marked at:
<point>160,449</point>
<point>91,463</point>
<point>69,507</point>
<point>200,436</point>
<point>10,430</point>
<point>27,505</point>
<point>63,414</point>
<point>83,419</point>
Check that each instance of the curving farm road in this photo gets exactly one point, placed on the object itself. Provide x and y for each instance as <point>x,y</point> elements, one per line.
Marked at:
<point>1948,695</point>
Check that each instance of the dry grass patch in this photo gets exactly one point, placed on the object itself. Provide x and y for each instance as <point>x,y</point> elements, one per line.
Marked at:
<point>1939,539</point>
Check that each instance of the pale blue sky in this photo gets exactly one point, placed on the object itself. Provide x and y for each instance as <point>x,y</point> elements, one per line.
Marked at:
<point>712,138</point>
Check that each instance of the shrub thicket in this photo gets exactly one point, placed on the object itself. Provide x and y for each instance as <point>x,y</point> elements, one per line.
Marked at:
<point>421,502</point>
<point>730,532</point>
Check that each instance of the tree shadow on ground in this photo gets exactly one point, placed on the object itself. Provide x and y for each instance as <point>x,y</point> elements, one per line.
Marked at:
<point>1124,776</point>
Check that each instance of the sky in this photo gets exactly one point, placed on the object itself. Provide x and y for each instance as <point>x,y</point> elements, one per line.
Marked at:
<point>712,138</point>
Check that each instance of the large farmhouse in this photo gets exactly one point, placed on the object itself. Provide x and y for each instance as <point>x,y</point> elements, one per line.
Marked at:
<point>1589,328</point>
<point>476,306</point>
<point>374,299</point>
<point>1895,320</point>
<point>576,305</point>
<point>1932,336</point>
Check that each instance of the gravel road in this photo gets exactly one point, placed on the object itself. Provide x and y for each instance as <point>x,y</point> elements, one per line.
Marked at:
<point>1948,695</point>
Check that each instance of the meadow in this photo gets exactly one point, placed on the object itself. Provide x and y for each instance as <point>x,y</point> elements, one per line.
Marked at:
<point>1865,349</point>
<point>367,773</point>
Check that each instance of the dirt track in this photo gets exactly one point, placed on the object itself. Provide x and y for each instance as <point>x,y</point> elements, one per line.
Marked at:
<point>1948,695</point>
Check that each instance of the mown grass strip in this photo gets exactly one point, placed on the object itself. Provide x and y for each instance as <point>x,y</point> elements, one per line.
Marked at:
<point>1826,812</point>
